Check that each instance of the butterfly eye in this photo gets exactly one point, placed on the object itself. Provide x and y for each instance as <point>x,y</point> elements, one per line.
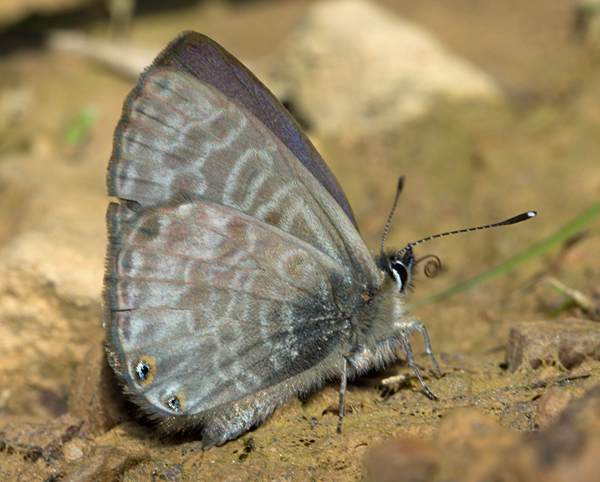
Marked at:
<point>400,274</point>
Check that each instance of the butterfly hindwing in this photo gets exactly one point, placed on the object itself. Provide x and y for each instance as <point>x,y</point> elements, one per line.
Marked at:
<point>217,305</point>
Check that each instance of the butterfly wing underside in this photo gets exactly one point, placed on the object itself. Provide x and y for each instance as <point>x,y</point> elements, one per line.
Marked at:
<point>216,305</point>
<point>209,62</point>
<point>206,61</point>
<point>232,265</point>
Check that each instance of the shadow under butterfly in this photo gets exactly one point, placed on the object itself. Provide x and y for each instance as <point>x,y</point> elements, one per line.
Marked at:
<point>236,276</point>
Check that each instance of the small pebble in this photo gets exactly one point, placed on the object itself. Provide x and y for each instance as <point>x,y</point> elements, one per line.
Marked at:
<point>73,450</point>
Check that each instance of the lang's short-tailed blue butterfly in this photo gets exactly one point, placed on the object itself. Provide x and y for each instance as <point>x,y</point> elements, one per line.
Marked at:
<point>236,276</point>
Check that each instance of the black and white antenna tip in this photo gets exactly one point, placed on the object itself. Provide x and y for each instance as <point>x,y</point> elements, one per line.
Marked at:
<point>519,218</point>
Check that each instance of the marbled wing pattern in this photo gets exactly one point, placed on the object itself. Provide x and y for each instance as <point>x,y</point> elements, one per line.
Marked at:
<point>181,139</point>
<point>222,311</point>
<point>231,268</point>
<point>208,62</point>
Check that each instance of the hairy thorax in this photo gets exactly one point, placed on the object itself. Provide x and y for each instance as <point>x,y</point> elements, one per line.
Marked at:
<point>374,340</point>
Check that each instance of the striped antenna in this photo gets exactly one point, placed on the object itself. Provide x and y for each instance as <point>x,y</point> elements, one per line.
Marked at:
<point>388,222</point>
<point>514,220</point>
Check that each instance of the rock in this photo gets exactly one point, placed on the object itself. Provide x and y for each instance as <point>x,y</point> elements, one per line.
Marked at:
<point>73,451</point>
<point>551,404</point>
<point>566,450</point>
<point>471,446</point>
<point>568,343</point>
<point>104,464</point>
<point>123,59</point>
<point>407,459</point>
<point>467,444</point>
<point>470,430</point>
<point>51,266</point>
<point>95,395</point>
<point>353,65</point>
<point>32,451</point>
<point>471,441</point>
<point>11,11</point>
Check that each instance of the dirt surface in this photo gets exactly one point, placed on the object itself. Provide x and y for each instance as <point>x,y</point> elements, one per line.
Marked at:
<point>515,402</point>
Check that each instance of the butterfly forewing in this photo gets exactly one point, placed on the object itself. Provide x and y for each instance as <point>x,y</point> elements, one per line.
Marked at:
<point>182,140</point>
<point>210,64</point>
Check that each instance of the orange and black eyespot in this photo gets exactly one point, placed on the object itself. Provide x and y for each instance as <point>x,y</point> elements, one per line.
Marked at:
<point>175,403</point>
<point>144,370</point>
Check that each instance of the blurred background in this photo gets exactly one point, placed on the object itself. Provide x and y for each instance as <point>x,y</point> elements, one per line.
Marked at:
<point>488,108</point>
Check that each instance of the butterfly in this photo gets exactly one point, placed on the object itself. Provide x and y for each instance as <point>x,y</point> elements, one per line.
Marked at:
<point>236,276</point>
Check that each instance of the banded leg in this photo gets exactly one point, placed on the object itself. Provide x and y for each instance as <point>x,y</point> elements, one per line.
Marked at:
<point>417,326</point>
<point>410,359</point>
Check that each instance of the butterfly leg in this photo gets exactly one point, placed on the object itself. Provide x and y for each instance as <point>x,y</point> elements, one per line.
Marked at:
<point>418,326</point>
<point>410,358</point>
<point>342,400</point>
